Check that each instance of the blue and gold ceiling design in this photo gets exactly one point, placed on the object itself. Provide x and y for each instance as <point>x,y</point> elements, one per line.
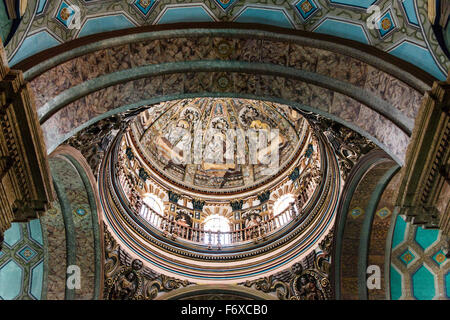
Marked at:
<point>22,262</point>
<point>401,29</point>
<point>419,267</point>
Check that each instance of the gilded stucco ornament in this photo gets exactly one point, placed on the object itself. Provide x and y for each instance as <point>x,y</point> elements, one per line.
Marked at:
<point>305,280</point>
<point>129,279</point>
<point>348,145</point>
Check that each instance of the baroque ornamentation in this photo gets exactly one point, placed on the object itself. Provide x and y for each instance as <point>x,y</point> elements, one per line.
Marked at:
<point>305,280</point>
<point>348,145</point>
<point>128,279</point>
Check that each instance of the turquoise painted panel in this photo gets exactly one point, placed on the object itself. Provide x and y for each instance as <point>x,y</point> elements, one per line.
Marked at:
<point>399,232</point>
<point>192,14</point>
<point>104,24</point>
<point>36,231</point>
<point>426,237</point>
<point>396,284</point>
<point>447,284</point>
<point>13,235</point>
<point>423,284</point>
<point>11,275</point>
<point>410,10</point>
<point>355,3</point>
<point>37,277</point>
<point>41,6</point>
<point>343,29</point>
<point>32,45</point>
<point>418,56</point>
<point>265,16</point>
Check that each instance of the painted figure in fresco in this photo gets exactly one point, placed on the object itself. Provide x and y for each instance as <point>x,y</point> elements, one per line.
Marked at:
<point>275,142</point>
<point>215,150</point>
<point>175,143</point>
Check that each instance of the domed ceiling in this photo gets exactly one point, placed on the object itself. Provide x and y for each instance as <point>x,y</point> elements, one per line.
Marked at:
<point>221,145</point>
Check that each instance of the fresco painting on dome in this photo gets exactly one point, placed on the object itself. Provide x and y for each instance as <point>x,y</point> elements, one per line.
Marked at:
<point>195,141</point>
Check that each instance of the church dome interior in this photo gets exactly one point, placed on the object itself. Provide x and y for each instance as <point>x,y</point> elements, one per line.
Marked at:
<point>224,150</point>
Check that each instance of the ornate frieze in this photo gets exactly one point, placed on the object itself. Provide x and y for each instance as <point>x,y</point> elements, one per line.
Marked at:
<point>348,145</point>
<point>305,280</point>
<point>128,279</point>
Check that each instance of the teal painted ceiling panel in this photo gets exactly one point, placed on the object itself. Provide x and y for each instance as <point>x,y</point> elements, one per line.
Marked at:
<point>343,29</point>
<point>265,16</point>
<point>37,277</point>
<point>410,10</point>
<point>11,275</point>
<point>396,284</point>
<point>423,284</point>
<point>364,4</point>
<point>418,56</point>
<point>190,14</point>
<point>36,231</point>
<point>447,284</point>
<point>103,24</point>
<point>426,237</point>
<point>41,6</point>
<point>32,45</point>
<point>399,232</point>
<point>13,235</point>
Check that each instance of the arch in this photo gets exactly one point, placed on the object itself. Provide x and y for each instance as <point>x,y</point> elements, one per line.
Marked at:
<point>364,186</point>
<point>73,228</point>
<point>214,290</point>
<point>272,61</point>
